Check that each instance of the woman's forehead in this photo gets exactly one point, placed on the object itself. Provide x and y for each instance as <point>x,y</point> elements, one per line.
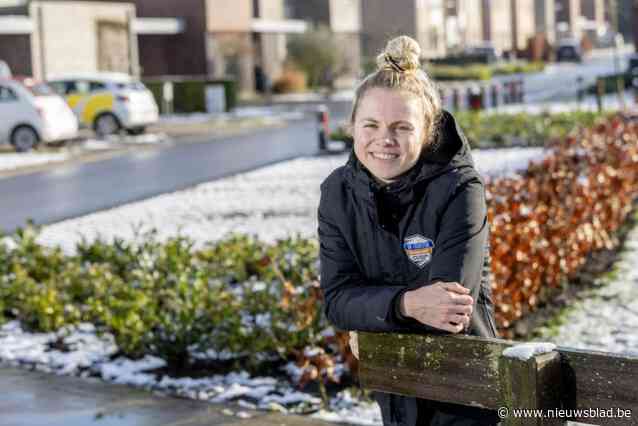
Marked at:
<point>389,104</point>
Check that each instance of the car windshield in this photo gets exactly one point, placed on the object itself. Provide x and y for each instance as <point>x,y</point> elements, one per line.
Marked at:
<point>40,89</point>
<point>131,85</point>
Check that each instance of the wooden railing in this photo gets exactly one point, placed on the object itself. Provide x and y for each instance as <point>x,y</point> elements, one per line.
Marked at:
<point>564,384</point>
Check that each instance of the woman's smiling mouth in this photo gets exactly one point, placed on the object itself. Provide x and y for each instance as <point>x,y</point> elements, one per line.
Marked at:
<point>384,156</point>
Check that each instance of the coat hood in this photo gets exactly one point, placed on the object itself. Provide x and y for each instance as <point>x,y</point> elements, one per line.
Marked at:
<point>450,151</point>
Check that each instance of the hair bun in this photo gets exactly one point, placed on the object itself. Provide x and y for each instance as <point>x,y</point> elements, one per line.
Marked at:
<point>402,54</point>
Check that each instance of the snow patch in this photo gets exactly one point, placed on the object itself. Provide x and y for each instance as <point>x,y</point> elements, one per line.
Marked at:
<point>526,351</point>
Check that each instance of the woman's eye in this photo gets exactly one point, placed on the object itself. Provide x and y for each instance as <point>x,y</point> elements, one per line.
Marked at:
<point>405,128</point>
<point>370,126</point>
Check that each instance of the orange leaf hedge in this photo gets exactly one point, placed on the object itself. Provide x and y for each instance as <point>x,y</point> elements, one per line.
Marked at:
<point>546,223</point>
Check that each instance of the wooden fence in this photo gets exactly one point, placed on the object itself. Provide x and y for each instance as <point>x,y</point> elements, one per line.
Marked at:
<point>567,384</point>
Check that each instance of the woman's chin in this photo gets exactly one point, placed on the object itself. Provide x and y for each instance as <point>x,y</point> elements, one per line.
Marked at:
<point>384,176</point>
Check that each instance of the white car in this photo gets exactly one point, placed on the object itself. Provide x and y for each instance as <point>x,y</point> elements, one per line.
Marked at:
<point>32,113</point>
<point>108,102</point>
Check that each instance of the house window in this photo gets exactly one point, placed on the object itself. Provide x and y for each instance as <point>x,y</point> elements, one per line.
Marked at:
<point>256,11</point>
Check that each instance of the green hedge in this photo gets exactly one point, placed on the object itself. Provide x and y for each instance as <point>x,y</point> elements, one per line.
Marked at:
<point>485,130</point>
<point>238,295</point>
<point>189,94</point>
<point>473,71</point>
<point>522,129</point>
<point>610,83</point>
<point>459,73</point>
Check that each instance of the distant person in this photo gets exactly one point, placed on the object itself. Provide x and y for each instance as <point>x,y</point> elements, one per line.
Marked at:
<point>403,226</point>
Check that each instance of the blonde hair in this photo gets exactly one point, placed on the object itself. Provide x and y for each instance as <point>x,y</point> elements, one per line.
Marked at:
<point>399,68</point>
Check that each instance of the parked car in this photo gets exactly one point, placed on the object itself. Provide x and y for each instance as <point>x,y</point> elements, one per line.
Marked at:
<point>5,71</point>
<point>108,102</point>
<point>569,50</point>
<point>32,113</point>
<point>483,53</point>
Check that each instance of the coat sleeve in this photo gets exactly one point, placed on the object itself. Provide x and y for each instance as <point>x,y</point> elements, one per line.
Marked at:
<point>350,301</point>
<point>460,246</point>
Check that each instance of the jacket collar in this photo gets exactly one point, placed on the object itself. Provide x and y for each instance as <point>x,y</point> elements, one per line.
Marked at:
<point>450,150</point>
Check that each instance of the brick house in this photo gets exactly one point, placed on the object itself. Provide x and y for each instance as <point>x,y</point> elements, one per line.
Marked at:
<point>37,39</point>
<point>218,38</point>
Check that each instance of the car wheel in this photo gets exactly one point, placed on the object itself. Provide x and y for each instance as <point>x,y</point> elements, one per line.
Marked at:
<point>24,138</point>
<point>106,124</point>
<point>134,131</point>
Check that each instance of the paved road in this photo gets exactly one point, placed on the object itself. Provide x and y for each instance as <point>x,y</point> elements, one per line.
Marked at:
<point>40,399</point>
<point>77,189</point>
<point>559,81</point>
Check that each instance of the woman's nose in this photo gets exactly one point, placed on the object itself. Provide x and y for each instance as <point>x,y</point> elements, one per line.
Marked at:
<point>387,137</point>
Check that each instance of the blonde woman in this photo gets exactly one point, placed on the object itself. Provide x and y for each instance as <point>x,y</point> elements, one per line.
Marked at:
<point>403,225</point>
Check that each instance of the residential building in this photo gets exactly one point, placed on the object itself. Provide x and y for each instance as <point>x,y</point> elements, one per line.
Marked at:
<point>594,11</point>
<point>624,18</point>
<point>218,38</point>
<point>545,19</point>
<point>343,19</point>
<point>468,22</point>
<point>568,19</point>
<point>523,24</point>
<point>37,39</point>
<point>424,20</point>
<point>498,21</point>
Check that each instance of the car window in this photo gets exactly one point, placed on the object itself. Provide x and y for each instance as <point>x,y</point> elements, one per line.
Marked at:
<point>132,85</point>
<point>75,87</point>
<point>96,86</point>
<point>57,86</point>
<point>41,89</point>
<point>7,94</point>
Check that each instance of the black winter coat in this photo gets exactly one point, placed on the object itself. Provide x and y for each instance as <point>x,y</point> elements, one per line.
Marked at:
<point>378,242</point>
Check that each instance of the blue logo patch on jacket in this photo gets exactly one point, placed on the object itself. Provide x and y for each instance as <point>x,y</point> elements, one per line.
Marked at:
<point>418,249</point>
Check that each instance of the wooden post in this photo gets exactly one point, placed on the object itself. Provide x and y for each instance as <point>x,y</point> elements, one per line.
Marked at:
<point>620,89</point>
<point>532,384</point>
<point>600,92</point>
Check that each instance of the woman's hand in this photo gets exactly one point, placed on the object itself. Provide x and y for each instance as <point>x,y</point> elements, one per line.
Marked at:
<point>444,305</point>
<point>354,344</point>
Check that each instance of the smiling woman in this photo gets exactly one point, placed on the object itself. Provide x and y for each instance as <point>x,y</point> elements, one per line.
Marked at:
<point>403,226</point>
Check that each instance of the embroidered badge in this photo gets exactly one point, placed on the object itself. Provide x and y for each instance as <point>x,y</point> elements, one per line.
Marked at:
<point>419,249</point>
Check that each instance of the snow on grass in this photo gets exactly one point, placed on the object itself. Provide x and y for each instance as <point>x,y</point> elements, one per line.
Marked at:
<point>607,319</point>
<point>87,354</point>
<point>272,203</point>
<point>13,161</point>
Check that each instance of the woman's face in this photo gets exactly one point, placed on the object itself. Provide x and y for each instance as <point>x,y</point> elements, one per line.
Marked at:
<point>389,131</point>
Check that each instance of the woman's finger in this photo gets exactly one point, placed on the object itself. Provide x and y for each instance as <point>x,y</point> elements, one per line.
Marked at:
<point>461,309</point>
<point>460,319</point>
<point>464,299</point>
<point>452,328</point>
<point>354,344</point>
<point>455,288</point>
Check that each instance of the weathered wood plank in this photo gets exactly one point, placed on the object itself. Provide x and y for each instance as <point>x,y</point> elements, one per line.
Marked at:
<point>600,380</point>
<point>531,384</point>
<point>464,370</point>
<point>458,369</point>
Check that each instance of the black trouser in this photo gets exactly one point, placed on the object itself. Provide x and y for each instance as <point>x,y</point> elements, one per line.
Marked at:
<point>407,411</point>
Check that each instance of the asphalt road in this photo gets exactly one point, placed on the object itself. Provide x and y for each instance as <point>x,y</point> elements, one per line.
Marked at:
<point>559,81</point>
<point>77,189</point>
<point>29,398</point>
